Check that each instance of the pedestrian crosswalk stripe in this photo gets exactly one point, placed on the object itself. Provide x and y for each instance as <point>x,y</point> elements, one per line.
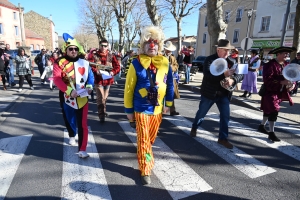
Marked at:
<point>294,130</point>
<point>177,177</point>
<point>12,150</point>
<point>245,163</point>
<point>83,178</point>
<point>281,146</point>
<point>8,98</point>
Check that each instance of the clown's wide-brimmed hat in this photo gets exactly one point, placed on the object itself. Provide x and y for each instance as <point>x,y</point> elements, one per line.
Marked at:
<point>282,49</point>
<point>224,44</point>
<point>70,41</point>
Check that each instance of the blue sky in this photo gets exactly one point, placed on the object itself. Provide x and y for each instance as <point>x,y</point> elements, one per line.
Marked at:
<point>66,19</point>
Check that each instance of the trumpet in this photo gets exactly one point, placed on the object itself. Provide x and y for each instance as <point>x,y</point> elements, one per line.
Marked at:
<point>101,67</point>
<point>218,67</point>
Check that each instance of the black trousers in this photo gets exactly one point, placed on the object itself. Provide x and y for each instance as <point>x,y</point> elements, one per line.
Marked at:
<point>21,80</point>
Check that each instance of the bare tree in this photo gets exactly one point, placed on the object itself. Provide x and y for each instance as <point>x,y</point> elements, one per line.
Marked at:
<point>96,18</point>
<point>181,9</point>
<point>215,23</point>
<point>86,39</point>
<point>296,30</point>
<point>121,8</point>
<point>152,10</point>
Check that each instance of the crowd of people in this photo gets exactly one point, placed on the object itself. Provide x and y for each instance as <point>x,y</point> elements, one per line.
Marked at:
<point>151,86</point>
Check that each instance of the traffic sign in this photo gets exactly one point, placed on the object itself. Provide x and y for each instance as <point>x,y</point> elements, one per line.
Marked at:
<point>249,43</point>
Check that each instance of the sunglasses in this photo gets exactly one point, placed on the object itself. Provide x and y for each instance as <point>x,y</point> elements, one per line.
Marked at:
<point>103,45</point>
<point>71,49</point>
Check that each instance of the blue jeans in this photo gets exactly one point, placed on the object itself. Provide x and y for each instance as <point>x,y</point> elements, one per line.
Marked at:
<point>223,106</point>
<point>187,74</point>
<point>10,75</point>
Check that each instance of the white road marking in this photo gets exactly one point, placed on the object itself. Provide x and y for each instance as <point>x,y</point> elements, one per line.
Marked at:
<point>177,177</point>
<point>12,98</point>
<point>11,153</point>
<point>281,146</point>
<point>286,127</point>
<point>83,178</point>
<point>245,163</point>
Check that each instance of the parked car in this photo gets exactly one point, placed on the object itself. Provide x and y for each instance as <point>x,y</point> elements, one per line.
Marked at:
<point>34,53</point>
<point>198,62</point>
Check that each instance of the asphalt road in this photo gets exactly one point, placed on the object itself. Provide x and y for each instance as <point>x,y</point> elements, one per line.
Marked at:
<point>41,165</point>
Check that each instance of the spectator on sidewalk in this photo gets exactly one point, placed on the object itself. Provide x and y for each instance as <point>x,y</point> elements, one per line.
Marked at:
<point>23,69</point>
<point>277,89</point>
<point>249,84</point>
<point>10,65</point>
<point>41,61</point>
<point>2,68</point>
<point>297,61</point>
<point>213,93</point>
<point>188,59</point>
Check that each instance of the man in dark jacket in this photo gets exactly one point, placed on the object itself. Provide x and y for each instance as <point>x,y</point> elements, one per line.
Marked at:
<point>41,61</point>
<point>212,92</point>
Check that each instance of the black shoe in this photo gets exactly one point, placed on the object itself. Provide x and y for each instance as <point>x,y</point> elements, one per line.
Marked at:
<point>292,95</point>
<point>132,124</point>
<point>146,180</point>
<point>193,132</point>
<point>51,89</point>
<point>273,137</point>
<point>174,113</point>
<point>262,129</point>
<point>13,84</point>
<point>249,96</point>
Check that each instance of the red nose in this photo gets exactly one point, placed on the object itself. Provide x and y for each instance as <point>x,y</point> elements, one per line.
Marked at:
<point>151,44</point>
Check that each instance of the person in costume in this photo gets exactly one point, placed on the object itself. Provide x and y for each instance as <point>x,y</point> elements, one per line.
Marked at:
<point>74,79</point>
<point>277,90</point>
<point>168,48</point>
<point>250,80</point>
<point>102,86</point>
<point>148,83</point>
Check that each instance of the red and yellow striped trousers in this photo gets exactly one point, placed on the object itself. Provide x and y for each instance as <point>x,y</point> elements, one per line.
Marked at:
<point>146,129</point>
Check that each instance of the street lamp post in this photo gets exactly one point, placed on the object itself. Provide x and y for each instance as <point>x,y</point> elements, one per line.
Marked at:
<point>249,15</point>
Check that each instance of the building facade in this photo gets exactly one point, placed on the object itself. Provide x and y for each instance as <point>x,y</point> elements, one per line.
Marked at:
<point>235,15</point>
<point>33,40</point>
<point>42,26</point>
<point>269,25</point>
<point>11,24</point>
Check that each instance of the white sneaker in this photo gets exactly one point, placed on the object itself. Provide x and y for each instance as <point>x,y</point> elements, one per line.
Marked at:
<point>32,88</point>
<point>83,154</point>
<point>20,90</point>
<point>72,141</point>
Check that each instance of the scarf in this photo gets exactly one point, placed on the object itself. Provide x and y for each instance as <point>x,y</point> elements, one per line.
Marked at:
<point>252,59</point>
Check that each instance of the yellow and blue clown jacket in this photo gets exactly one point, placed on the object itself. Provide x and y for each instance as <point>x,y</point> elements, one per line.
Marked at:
<point>138,83</point>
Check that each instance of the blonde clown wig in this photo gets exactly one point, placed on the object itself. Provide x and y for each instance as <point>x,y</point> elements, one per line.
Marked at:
<point>153,32</point>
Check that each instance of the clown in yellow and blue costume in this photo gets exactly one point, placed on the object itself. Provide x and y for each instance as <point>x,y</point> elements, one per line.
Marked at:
<point>74,78</point>
<point>148,93</point>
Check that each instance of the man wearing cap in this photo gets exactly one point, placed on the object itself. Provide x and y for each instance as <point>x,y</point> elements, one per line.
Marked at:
<point>213,93</point>
<point>168,48</point>
<point>297,61</point>
<point>250,79</point>
<point>74,78</point>
<point>277,90</point>
<point>149,81</point>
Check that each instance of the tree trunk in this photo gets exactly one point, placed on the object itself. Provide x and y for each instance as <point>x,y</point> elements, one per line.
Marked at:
<point>215,23</point>
<point>121,32</point>
<point>179,33</point>
<point>152,12</point>
<point>296,31</point>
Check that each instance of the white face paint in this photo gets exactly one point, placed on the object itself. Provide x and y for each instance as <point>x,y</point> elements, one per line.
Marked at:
<point>151,48</point>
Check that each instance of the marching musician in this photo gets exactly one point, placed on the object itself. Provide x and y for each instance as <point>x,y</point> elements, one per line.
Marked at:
<point>277,90</point>
<point>102,86</point>
<point>72,74</point>
<point>212,92</point>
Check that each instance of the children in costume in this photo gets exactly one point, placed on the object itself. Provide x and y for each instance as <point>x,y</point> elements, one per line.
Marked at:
<point>74,78</point>
<point>149,81</point>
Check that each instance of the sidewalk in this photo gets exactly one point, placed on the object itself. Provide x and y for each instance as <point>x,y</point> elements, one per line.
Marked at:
<point>286,111</point>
